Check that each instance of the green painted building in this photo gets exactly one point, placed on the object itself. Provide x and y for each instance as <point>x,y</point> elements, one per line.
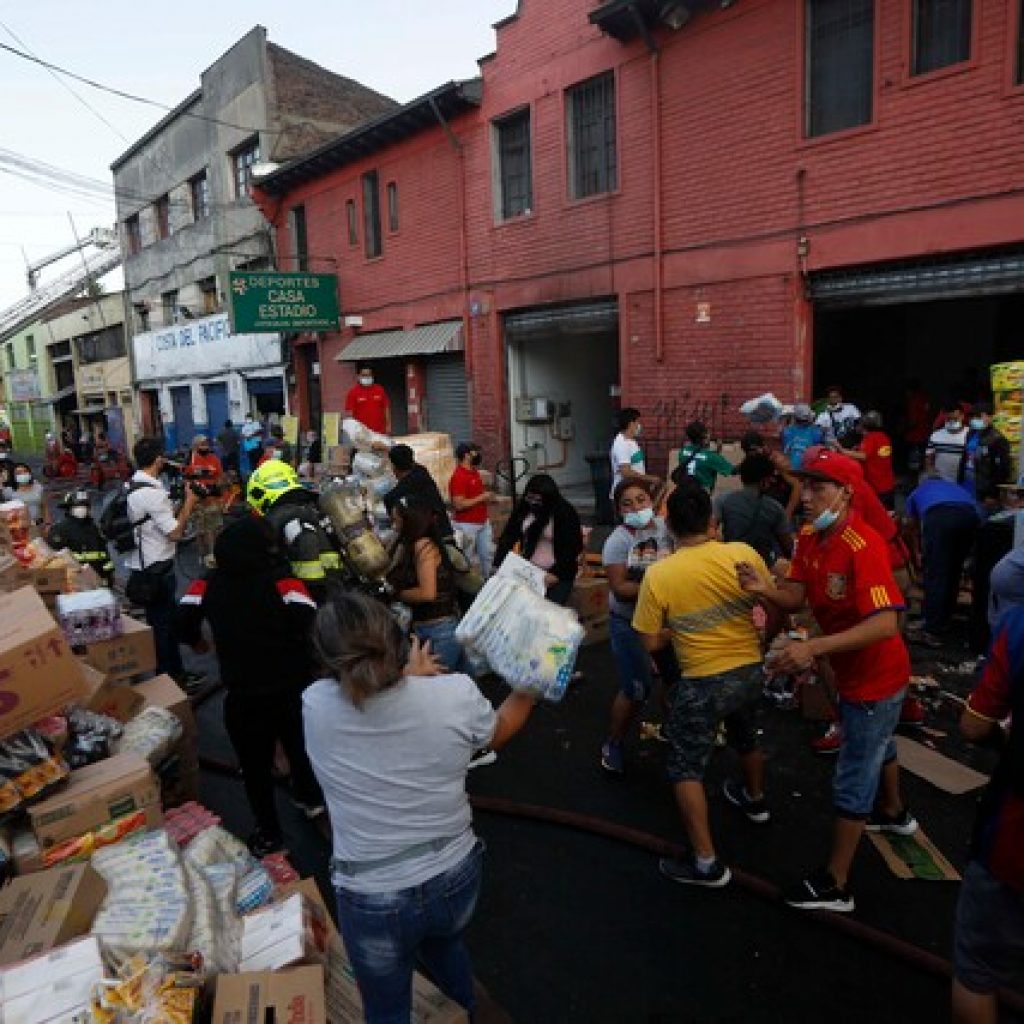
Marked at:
<point>27,385</point>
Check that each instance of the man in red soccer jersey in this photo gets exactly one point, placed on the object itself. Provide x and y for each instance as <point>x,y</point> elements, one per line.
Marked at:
<point>470,499</point>
<point>841,571</point>
<point>368,403</point>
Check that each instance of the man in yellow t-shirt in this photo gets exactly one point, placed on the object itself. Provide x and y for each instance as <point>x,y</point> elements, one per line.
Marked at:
<point>693,599</point>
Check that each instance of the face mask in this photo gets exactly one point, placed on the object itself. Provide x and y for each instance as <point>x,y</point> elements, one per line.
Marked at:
<point>534,500</point>
<point>23,478</point>
<point>825,520</point>
<point>276,453</point>
<point>79,512</point>
<point>639,519</point>
<point>367,382</point>
<point>977,424</point>
<point>954,426</point>
<point>476,460</point>
<point>639,429</point>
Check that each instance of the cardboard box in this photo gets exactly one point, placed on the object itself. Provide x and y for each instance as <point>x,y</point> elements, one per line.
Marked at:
<point>38,672</point>
<point>344,1004</point>
<point>26,853</point>
<point>94,796</point>
<point>589,598</point>
<point>286,997</point>
<point>51,987</point>
<point>122,657</point>
<point>47,909</point>
<point>163,692</point>
<point>286,934</point>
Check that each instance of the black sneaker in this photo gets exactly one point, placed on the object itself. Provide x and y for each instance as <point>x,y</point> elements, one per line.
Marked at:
<point>261,843</point>
<point>756,810</point>
<point>903,824</point>
<point>686,872</point>
<point>819,891</point>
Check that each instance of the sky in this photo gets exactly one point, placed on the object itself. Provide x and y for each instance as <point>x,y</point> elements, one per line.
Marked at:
<point>402,48</point>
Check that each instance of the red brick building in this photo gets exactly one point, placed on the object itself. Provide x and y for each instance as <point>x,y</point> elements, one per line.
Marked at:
<point>636,206</point>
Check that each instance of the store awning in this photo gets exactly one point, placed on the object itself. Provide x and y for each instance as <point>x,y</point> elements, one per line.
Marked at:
<point>54,399</point>
<point>598,317</point>
<point>419,341</point>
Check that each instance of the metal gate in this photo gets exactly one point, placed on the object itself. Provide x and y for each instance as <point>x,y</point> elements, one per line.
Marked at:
<point>182,430</point>
<point>447,398</point>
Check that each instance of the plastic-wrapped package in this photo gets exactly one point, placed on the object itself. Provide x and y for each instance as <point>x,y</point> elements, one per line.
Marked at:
<point>765,408</point>
<point>28,771</point>
<point>208,935</point>
<point>84,846</point>
<point>89,737</point>
<point>223,880</point>
<point>185,822</point>
<point>148,908</point>
<point>151,734</point>
<point>369,465</point>
<point>529,641</point>
<point>89,616</point>
<point>362,437</point>
<point>218,846</point>
<point>161,990</point>
<point>255,889</point>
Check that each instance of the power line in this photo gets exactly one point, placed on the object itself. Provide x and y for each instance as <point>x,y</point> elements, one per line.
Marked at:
<point>128,95</point>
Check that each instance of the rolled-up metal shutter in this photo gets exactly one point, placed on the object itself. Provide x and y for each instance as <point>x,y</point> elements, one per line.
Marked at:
<point>447,398</point>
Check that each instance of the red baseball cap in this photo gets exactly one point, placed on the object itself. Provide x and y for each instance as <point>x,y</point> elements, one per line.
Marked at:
<point>821,463</point>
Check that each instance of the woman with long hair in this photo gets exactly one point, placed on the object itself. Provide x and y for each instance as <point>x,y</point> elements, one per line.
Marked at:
<point>26,488</point>
<point>390,740</point>
<point>423,578</point>
<point>546,530</point>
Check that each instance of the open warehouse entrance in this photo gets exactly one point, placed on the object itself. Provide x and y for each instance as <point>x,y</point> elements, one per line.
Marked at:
<point>940,324</point>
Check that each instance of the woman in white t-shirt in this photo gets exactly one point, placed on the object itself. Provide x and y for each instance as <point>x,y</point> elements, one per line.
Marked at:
<point>28,490</point>
<point>390,740</point>
<point>640,540</point>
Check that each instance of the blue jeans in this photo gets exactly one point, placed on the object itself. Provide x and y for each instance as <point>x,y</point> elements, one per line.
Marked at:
<point>479,542</point>
<point>443,643</point>
<point>631,659</point>
<point>386,933</point>
<point>867,745</point>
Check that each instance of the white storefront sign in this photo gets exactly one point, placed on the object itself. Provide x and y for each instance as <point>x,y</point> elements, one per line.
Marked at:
<point>201,348</point>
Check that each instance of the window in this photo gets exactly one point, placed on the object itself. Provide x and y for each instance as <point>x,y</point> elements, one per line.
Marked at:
<point>208,290</point>
<point>162,208</point>
<point>590,113</point>
<point>169,306</point>
<point>512,145</point>
<point>392,206</point>
<point>353,222</point>
<point>941,34</point>
<point>300,244</point>
<point>62,350</point>
<point>101,345</point>
<point>142,312</point>
<point>30,348</point>
<point>133,235</point>
<point>243,161</point>
<point>371,215</point>
<point>840,62</point>
<point>200,188</point>
<point>10,357</point>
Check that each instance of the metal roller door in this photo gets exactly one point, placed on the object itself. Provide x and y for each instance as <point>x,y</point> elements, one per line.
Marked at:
<point>447,398</point>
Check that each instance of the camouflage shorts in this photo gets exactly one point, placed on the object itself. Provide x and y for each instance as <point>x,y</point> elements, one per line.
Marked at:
<point>732,698</point>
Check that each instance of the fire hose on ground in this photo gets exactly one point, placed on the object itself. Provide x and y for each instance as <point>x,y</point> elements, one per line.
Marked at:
<point>878,939</point>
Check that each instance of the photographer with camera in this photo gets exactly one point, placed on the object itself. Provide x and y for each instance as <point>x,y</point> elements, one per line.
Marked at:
<point>157,528</point>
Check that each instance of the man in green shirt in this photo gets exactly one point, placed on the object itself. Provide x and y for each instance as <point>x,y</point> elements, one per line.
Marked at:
<point>701,462</point>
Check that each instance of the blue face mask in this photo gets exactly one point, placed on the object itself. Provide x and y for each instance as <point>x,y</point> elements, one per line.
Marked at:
<point>638,520</point>
<point>825,520</point>
<point>977,424</point>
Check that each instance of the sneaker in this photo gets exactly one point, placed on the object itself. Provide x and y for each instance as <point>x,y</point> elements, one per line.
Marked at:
<point>756,810</point>
<point>310,808</point>
<point>819,891</point>
<point>483,757</point>
<point>830,742</point>
<point>261,843</point>
<point>903,824</point>
<point>912,712</point>
<point>686,872</point>
<point>191,682</point>
<point>612,758</point>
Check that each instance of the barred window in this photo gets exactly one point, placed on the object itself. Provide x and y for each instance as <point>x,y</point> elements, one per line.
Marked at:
<point>593,159</point>
<point>840,62</point>
<point>515,172</point>
<point>942,34</point>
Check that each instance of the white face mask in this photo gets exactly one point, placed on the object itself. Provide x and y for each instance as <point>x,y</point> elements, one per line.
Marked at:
<point>23,478</point>
<point>79,512</point>
<point>367,382</point>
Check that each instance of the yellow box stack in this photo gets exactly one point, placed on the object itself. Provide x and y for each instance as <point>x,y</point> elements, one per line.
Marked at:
<point>1008,403</point>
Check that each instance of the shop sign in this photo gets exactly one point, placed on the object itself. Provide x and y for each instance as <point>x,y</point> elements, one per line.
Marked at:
<point>268,302</point>
<point>23,385</point>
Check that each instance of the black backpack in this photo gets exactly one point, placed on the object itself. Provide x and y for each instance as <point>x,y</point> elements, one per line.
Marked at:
<point>116,522</point>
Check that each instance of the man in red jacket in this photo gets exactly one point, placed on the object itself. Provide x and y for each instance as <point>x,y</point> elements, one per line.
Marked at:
<point>368,403</point>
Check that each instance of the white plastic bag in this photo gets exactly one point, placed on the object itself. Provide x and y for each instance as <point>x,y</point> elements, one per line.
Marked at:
<point>765,408</point>
<point>514,567</point>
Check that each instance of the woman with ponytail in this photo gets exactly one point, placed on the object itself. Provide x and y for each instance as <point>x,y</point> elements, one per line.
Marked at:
<point>390,738</point>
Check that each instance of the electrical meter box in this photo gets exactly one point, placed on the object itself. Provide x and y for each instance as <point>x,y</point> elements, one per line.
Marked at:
<point>533,410</point>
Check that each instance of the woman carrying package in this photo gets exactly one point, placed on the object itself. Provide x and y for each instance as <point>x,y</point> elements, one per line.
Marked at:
<point>390,738</point>
<point>639,541</point>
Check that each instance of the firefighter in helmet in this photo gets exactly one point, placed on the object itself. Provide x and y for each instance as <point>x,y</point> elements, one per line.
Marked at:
<point>81,535</point>
<point>304,532</point>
